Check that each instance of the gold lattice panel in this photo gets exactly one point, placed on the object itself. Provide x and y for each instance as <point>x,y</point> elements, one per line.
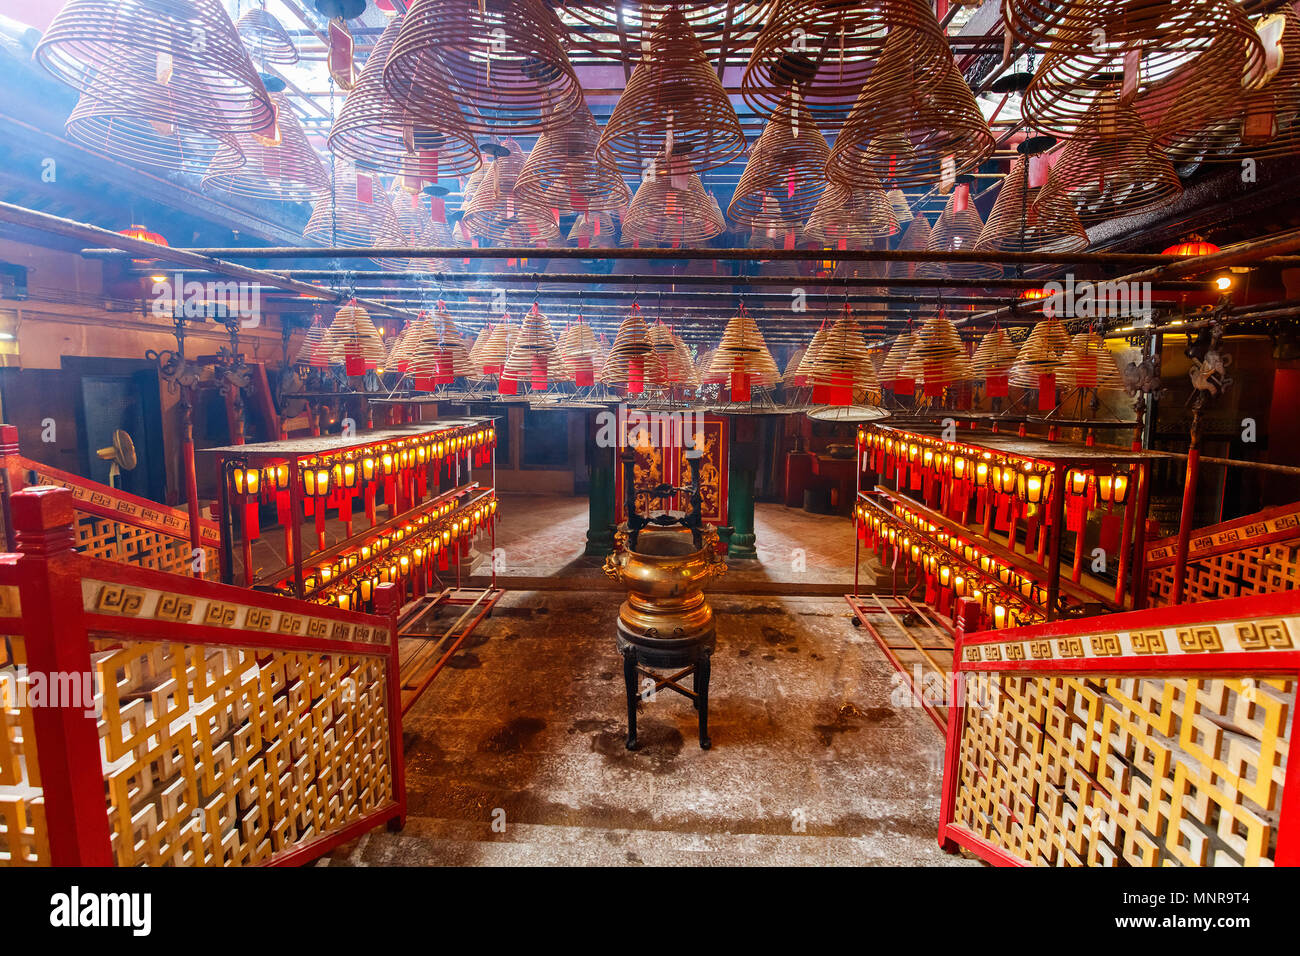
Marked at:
<point>128,544</point>
<point>224,756</point>
<point>1125,771</point>
<point>23,840</point>
<point>1263,570</point>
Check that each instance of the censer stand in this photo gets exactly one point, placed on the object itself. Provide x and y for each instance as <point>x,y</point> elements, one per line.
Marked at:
<point>665,560</point>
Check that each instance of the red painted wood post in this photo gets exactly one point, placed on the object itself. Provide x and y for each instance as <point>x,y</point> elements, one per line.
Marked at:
<point>387,604</point>
<point>966,618</point>
<point>11,478</point>
<point>67,739</point>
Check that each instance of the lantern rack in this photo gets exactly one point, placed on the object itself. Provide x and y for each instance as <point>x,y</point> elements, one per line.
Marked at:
<point>949,495</point>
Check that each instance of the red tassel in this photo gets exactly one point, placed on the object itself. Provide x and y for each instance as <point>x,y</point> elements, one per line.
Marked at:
<point>251,528</point>
<point>635,375</point>
<point>1046,392</point>
<point>740,386</point>
<point>353,364</point>
<point>996,386</point>
<point>538,376</point>
<point>904,386</point>
<point>508,385</point>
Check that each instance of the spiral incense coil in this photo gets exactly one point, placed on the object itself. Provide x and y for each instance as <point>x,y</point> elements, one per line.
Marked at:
<point>916,237</point>
<point>345,218</point>
<point>1187,25</point>
<point>895,358</point>
<point>502,60</point>
<point>532,350</point>
<point>564,173</point>
<point>497,346</point>
<point>957,229</point>
<point>1088,363</point>
<point>286,169</point>
<point>1211,44</point>
<point>1020,222</point>
<point>265,37</point>
<point>913,115</point>
<point>679,369</point>
<point>448,345</point>
<point>841,361</point>
<point>628,364</point>
<point>856,214</point>
<point>898,200</point>
<point>995,354</point>
<point>785,174</point>
<point>778,235</point>
<point>826,52</point>
<point>1111,167</point>
<point>476,351</point>
<point>636,19</point>
<point>809,358</point>
<point>354,342</point>
<point>166,61</point>
<point>403,347</point>
<point>593,230</point>
<point>1041,354</point>
<point>578,353</point>
<point>672,208</point>
<point>375,130</point>
<point>791,374</point>
<point>744,351</point>
<point>500,214</point>
<point>937,358</point>
<point>673,104</point>
<point>313,351</point>
<point>1262,121</point>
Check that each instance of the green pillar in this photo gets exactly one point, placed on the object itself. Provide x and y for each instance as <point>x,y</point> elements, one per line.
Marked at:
<point>740,490</point>
<point>600,510</point>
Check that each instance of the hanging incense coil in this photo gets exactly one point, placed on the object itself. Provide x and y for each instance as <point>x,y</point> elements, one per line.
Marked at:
<point>578,353</point>
<point>675,358</point>
<point>916,237</point>
<point>791,374</point>
<point>313,352</point>
<point>354,342</point>
<point>117,115</point>
<point>743,351</point>
<point>159,60</point>
<point>671,207</point>
<point>856,214</point>
<point>957,229</point>
<point>502,61</point>
<point>826,52</point>
<point>356,213</point>
<point>1041,355</point>
<point>403,347</point>
<point>377,131</point>
<point>673,103</point>
<point>1021,221</point>
<point>1111,167</point>
<point>937,358</point>
<point>593,230</point>
<point>995,354</point>
<point>563,172</point>
<point>1259,116</point>
<point>496,346</point>
<point>1088,363</point>
<point>636,20</point>
<point>416,226</point>
<point>499,213</point>
<point>809,358</point>
<point>785,174</point>
<point>265,37</point>
<point>898,201</point>
<point>628,364</point>
<point>532,351</point>
<point>915,114</point>
<point>891,368</point>
<point>286,169</point>
<point>476,351</point>
<point>841,367</point>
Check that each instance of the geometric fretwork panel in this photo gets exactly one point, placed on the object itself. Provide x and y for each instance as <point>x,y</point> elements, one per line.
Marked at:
<point>23,840</point>
<point>225,756</point>
<point>1263,570</point>
<point>1066,771</point>
<point>130,544</point>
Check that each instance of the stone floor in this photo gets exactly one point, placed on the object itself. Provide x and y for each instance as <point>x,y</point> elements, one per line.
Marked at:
<point>811,762</point>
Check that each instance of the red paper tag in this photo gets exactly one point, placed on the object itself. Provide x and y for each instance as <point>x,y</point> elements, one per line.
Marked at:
<point>1046,392</point>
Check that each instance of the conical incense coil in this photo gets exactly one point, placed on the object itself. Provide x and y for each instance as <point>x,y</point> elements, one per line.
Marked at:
<point>937,358</point>
<point>671,207</point>
<point>375,130</point>
<point>914,117</point>
<point>992,361</point>
<point>841,366</point>
<point>678,369</point>
<point>476,352</point>
<point>284,168</point>
<point>1111,167</point>
<point>163,60</point>
<point>500,214</point>
<point>415,226</point>
<point>703,363</point>
<point>916,237</point>
<point>399,354</point>
<point>314,352</point>
<point>501,59</point>
<point>354,342</point>
<point>1088,363</point>
<point>1021,221</point>
<point>356,213</point>
<point>803,370</point>
<point>791,374</point>
<point>742,357</point>
<point>1039,360</point>
<point>593,230</point>
<point>898,200</point>
<point>265,37</point>
<point>531,353</point>
<point>673,103</point>
<point>1214,121</point>
<point>785,174</point>
<point>578,353</point>
<point>496,347</point>
<point>890,372</point>
<point>564,173</point>
<point>827,51</point>
<point>858,214</point>
<point>1187,25</point>
<point>628,364</point>
<point>636,20</point>
<point>958,230</point>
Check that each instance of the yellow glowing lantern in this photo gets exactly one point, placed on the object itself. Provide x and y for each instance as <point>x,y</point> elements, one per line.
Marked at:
<point>1078,482</point>
<point>387,463</point>
<point>982,473</point>
<point>316,481</point>
<point>959,467</point>
<point>945,575</point>
<point>999,615</point>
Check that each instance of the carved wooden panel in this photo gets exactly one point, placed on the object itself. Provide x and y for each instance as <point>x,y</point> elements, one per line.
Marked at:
<point>23,840</point>
<point>141,547</point>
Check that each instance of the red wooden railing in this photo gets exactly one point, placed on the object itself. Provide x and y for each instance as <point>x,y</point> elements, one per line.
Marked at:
<point>183,722</point>
<point>1152,737</point>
